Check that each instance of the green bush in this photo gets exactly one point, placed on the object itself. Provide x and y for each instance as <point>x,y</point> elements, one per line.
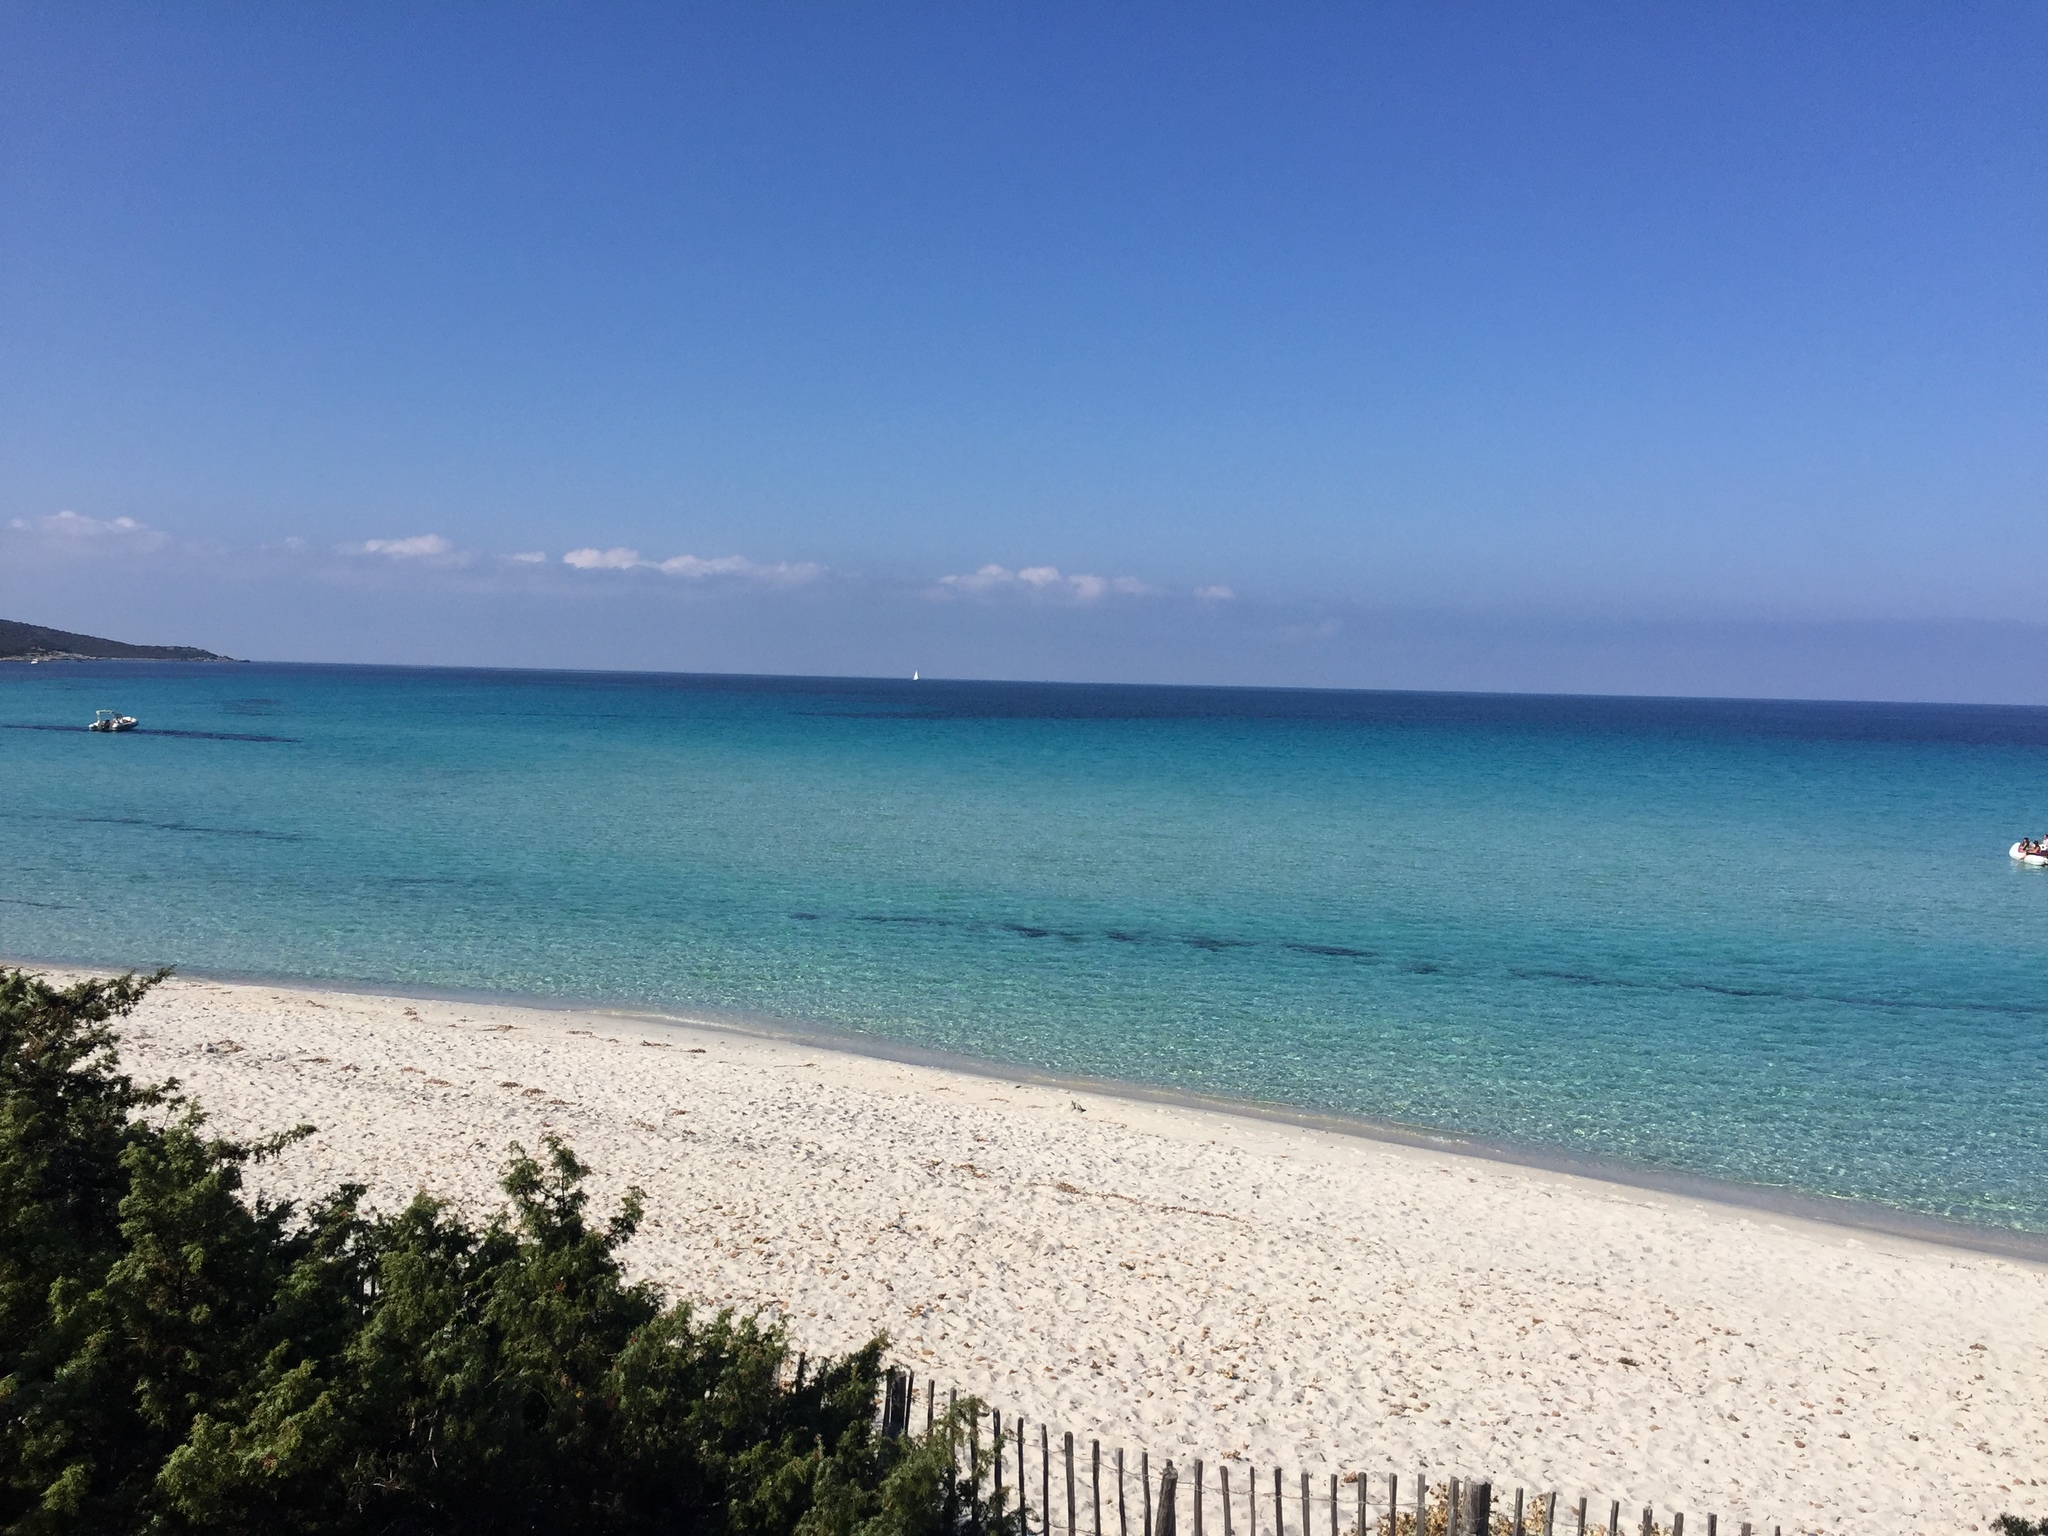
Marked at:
<point>176,1356</point>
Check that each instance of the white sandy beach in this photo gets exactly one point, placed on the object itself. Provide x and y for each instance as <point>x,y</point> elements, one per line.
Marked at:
<point>1190,1281</point>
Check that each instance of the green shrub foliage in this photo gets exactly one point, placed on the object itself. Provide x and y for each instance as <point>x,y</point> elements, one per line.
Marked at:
<point>177,1356</point>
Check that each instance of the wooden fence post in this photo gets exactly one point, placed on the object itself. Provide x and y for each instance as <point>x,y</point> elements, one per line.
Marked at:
<point>1023,1484</point>
<point>1123,1525</point>
<point>1421,1503</point>
<point>1223,1493</point>
<point>1614,1518</point>
<point>1308,1524</point>
<point>1167,1483</point>
<point>1519,1531</point>
<point>1095,1482</point>
<point>1068,1442</point>
<point>1333,1504</point>
<point>1479,1507</point>
<point>995,1445</point>
<point>1279,1507</point>
<point>1145,1477</point>
<point>1045,1481</point>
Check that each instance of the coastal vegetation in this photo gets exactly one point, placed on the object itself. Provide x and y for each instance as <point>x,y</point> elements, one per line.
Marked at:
<point>177,1354</point>
<point>37,642</point>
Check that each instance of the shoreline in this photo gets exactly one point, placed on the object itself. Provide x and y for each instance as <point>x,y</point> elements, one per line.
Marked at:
<point>2019,1245</point>
<point>1194,1281</point>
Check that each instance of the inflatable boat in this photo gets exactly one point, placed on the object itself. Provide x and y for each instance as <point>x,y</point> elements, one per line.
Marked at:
<point>2034,860</point>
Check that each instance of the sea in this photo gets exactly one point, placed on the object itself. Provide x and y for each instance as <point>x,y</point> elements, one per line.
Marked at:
<point>1777,948</point>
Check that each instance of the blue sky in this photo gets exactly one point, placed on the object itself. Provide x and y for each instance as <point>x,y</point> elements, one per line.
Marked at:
<point>1636,348</point>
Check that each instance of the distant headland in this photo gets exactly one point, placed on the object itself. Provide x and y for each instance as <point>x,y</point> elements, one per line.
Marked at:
<point>32,642</point>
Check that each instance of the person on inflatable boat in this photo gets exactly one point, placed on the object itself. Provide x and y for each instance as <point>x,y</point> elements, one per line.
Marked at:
<point>2029,845</point>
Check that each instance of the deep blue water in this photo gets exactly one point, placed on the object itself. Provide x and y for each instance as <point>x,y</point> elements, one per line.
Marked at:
<point>1775,943</point>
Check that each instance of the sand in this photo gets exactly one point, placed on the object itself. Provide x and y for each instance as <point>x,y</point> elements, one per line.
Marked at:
<point>1191,1281</point>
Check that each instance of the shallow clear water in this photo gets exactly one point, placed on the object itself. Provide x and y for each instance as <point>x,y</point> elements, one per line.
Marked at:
<point>1775,943</point>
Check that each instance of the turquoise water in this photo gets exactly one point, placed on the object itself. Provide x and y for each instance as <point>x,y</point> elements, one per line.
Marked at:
<point>1774,943</point>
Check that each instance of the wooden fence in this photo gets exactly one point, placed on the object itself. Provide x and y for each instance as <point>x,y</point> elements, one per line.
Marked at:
<point>1067,1497</point>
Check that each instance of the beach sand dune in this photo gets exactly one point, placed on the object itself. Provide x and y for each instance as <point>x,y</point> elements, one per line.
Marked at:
<point>1191,1281</point>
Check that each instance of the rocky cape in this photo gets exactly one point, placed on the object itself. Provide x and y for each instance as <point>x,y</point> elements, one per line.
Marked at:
<point>33,642</point>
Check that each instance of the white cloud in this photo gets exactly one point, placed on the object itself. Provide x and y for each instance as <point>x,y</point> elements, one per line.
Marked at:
<point>76,533</point>
<point>602,559</point>
<point>534,557</point>
<point>986,579</point>
<point>1041,581</point>
<point>782,573</point>
<point>691,566</point>
<point>696,567</point>
<point>420,546</point>
<point>1214,594</point>
<point>75,526</point>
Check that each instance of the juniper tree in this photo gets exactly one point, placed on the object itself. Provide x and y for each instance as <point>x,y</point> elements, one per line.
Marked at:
<point>176,1355</point>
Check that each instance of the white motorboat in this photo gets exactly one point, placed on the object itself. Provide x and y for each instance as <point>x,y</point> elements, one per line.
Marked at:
<point>109,720</point>
<point>2030,854</point>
